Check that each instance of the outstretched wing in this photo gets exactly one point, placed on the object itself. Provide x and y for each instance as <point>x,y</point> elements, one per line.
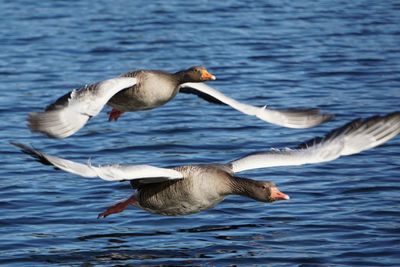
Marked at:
<point>70,112</point>
<point>291,118</point>
<point>146,173</point>
<point>352,138</point>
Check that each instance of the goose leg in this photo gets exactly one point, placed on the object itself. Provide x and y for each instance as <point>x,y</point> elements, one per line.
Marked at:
<point>114,114</point>
<point>119,207</point>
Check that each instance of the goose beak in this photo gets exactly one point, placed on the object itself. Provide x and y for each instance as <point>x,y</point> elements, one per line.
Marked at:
<point>206,76</point>
<point>278,195</point>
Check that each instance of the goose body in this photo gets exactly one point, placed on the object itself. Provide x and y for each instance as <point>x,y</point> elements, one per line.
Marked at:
<point>193,188</point>
<point>201,188</point>
<point>153,89</point>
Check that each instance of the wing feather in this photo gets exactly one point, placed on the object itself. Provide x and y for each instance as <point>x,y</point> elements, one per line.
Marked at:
<point>291,118</point>
<point>70,112</point>
<point>113,172</point>
<point>352,138</point>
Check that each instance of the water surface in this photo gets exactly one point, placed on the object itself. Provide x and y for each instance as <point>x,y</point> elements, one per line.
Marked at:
<point>341,56</point>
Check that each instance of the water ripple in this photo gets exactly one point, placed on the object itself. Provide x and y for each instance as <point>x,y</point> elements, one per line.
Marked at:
<point>342,57</point>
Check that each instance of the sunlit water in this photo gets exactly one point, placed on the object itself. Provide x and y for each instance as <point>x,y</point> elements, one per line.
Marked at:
<point>341,56</point>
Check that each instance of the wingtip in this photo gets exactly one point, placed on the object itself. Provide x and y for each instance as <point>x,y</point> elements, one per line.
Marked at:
<point>56,124</point>
<point>34,123</point>
<point>317,117</point>
<point>395,114</point>
<point>30,121</point>
<point>21,146</point>
<point>325,117</point>
<point>314,117</point>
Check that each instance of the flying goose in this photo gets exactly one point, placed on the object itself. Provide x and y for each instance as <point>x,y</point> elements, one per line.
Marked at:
<point>193,188</point>
<point>148,89</point>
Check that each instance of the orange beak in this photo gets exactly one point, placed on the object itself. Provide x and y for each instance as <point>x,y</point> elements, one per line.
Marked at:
<point>278,195</point>
<point>206,76</point>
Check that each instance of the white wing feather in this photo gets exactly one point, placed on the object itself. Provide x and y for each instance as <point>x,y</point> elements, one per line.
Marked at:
<point>291,118</point>
<point>352,138</point>
<point>114,172</point>
<point>71,112</point>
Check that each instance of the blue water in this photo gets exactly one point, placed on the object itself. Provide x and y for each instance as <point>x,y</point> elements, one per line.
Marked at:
<point>341,56</point>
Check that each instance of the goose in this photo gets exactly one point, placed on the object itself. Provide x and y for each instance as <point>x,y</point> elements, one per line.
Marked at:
<point>193,188</point>
<point>148,89</point>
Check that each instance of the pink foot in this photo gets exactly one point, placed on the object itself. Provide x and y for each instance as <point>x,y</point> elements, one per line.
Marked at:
<point>119,207</point>
<point>114,114</point>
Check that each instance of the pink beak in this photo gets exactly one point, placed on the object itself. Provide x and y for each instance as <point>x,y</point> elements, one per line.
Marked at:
<point>278,195</point>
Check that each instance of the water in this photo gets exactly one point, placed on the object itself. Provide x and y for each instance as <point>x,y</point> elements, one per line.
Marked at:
<point>341,56</point>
